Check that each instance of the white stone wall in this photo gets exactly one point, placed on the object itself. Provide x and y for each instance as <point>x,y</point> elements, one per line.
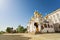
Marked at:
<point>39,26</point>
<point>32,28</point>
<point>48,29</point>
<point>54,17</point>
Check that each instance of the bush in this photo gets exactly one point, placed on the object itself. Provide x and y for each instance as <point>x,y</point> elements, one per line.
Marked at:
<point>1,32</point>
<point>9,30</point>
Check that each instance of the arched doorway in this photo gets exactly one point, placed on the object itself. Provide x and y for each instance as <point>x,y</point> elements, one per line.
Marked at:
<point>36,25</point>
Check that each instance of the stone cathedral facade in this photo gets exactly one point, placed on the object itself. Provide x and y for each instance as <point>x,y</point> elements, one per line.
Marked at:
<point>38,24</point>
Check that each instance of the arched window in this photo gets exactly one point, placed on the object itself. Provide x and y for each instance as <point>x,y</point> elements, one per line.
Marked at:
<point>51,26</point>
<point>48,26</point>
<point>42,27</point>
<point>45,25</point>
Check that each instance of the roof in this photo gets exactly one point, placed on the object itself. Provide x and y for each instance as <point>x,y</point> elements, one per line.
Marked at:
<point>53,12</point>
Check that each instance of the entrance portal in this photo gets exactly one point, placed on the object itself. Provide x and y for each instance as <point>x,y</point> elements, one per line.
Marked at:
<point>36,25</point>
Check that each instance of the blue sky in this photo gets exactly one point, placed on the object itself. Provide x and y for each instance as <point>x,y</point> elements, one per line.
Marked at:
<point>16,12</point>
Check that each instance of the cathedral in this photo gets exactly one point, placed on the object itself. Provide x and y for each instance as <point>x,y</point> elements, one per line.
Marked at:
<point>38,24</point>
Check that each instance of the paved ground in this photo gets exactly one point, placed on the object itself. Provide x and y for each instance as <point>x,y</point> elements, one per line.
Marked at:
<point>22,36</point>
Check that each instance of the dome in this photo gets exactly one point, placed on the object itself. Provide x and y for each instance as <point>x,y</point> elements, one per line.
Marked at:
<point>36,13</point>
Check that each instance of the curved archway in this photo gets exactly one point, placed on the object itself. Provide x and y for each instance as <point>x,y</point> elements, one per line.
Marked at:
<point>36,25</point>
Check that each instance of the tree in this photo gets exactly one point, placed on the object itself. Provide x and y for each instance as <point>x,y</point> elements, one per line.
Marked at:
<point>9,30</point>
<point>25,30</point>
<point>20,29</point>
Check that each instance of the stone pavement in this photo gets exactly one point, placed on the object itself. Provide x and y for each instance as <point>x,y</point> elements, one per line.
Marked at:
<point>25,36</point>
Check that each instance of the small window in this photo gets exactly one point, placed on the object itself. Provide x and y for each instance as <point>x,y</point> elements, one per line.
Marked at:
<point>59,26</point>
<point>48,26</point>
<point>51,26</point>
<point>45,25</point>
<point>42,27</point>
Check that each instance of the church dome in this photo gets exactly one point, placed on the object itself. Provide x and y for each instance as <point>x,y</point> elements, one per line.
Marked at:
<point>36,13</point>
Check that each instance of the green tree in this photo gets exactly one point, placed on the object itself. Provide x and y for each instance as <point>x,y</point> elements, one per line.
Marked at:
<point>25,30</point>
<point>9,30</point>
<point>20,29</point>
